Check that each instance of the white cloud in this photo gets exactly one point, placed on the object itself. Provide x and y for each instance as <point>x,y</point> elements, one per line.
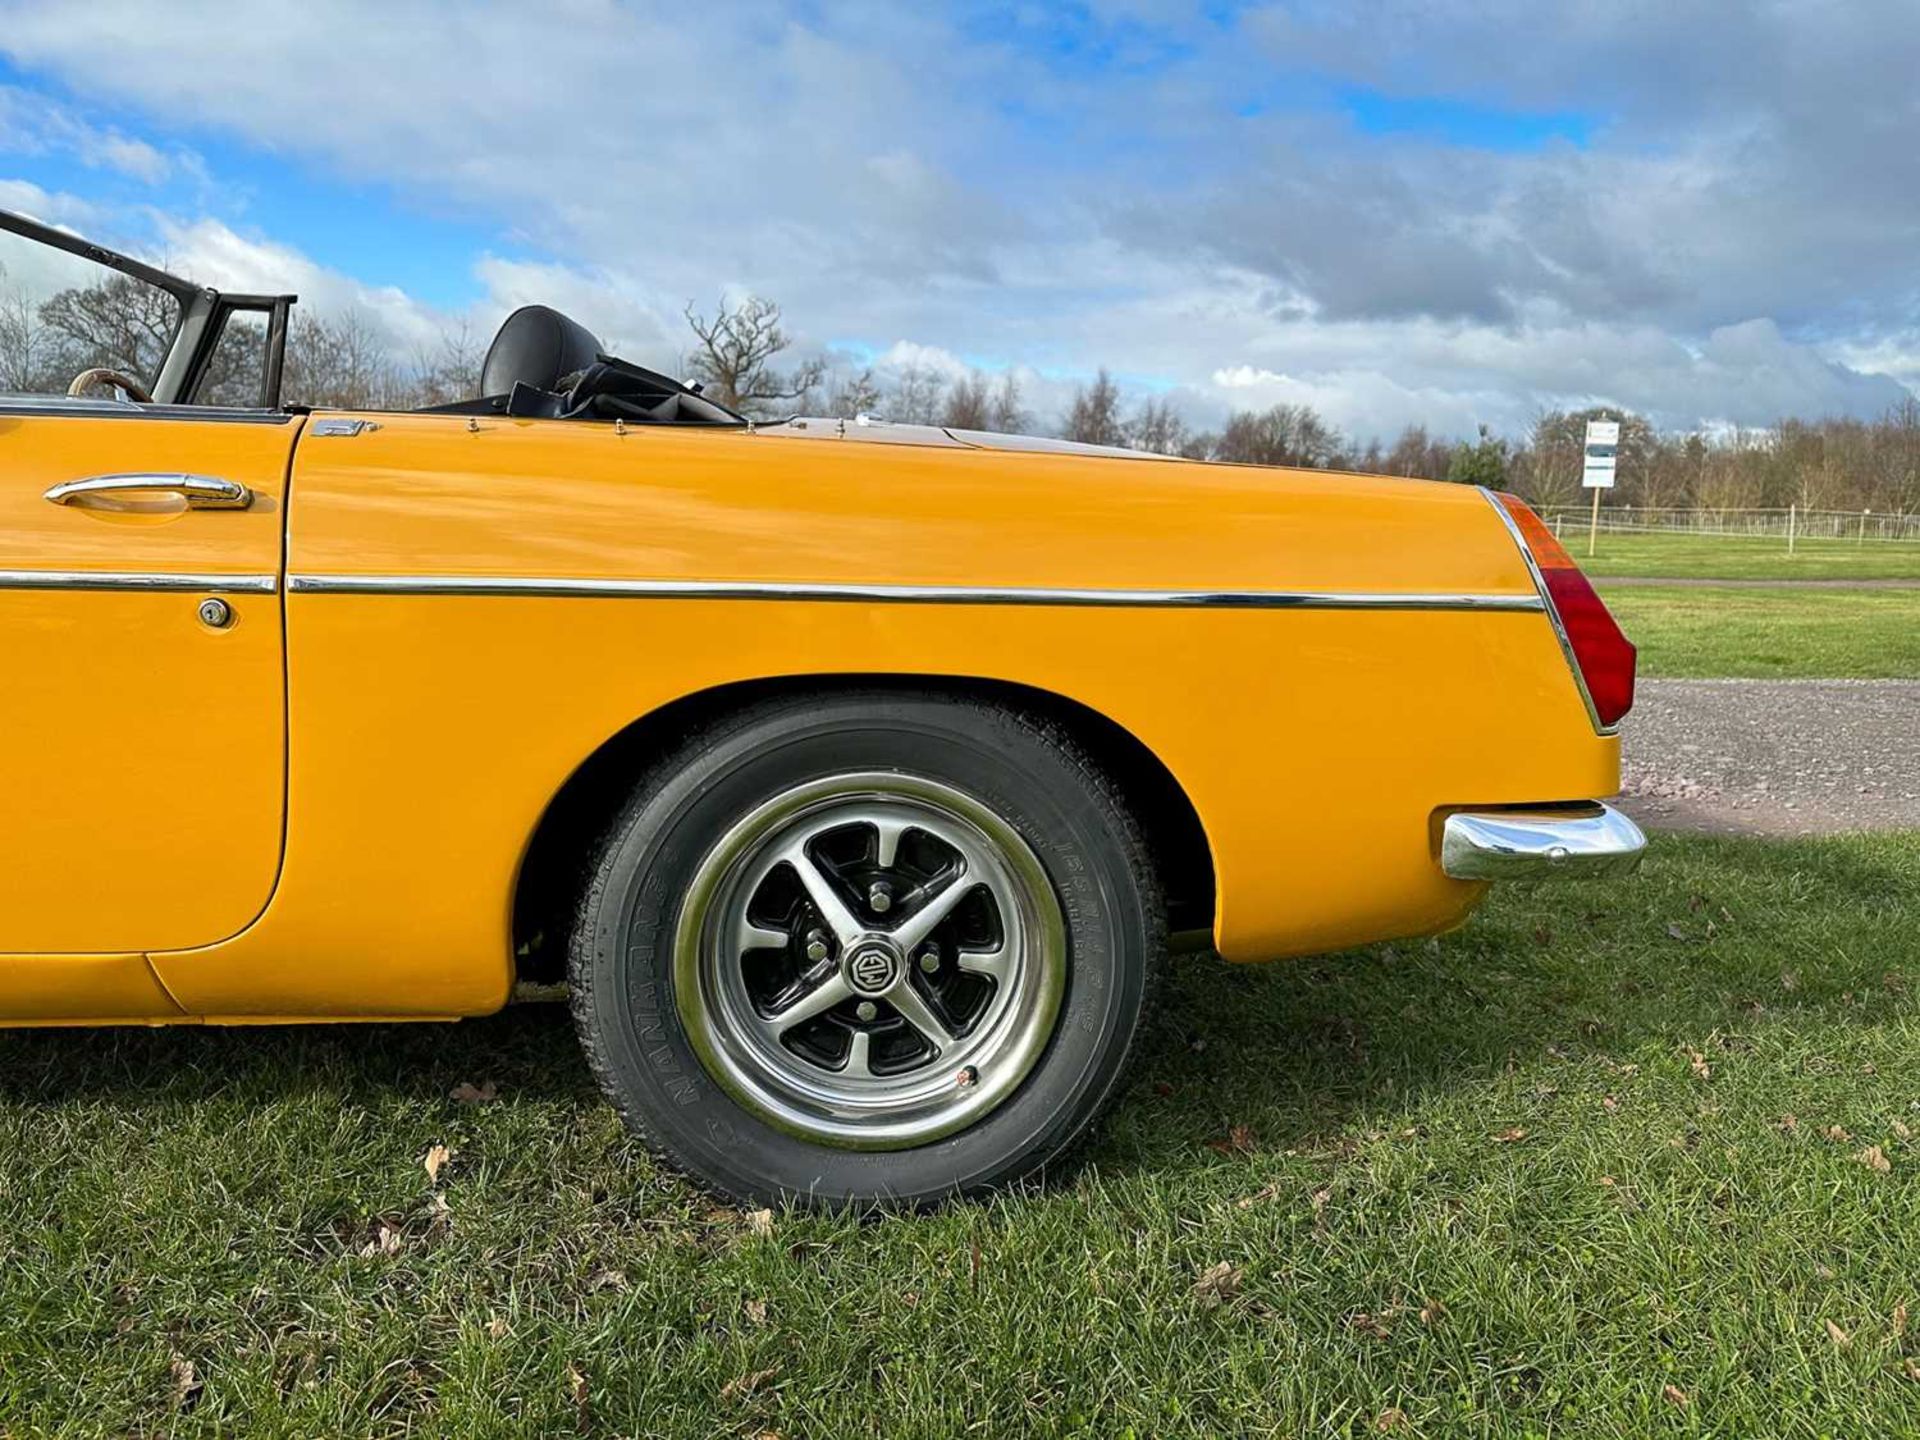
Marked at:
<point>1736,242</point>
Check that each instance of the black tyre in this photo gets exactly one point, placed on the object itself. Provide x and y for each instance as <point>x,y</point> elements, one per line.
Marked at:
<point>879,947</point>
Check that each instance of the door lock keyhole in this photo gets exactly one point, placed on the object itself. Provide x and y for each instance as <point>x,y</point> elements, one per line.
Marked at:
<point>215,613</point>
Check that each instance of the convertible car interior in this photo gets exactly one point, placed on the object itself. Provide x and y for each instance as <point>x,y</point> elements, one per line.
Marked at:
<point>544,364</point>
<point>541,363</point>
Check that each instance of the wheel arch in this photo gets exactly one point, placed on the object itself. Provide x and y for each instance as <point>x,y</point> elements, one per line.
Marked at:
<point>547,883</point>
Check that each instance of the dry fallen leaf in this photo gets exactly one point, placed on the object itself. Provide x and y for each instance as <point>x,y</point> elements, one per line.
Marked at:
<point>383,1238</point>
<point>1674,932</point>
<point>436,1160</point>
<point>747,1384</point>
<point>1901,1130</point>
<point>1217,1284</point>
<point>1431,1312</point>
<point>756,1311</point>
<point>1513,1134</point>
<point>607,1280</point>
<point>760,1222</point>
<point>1238,1142</point>
<point>1789,1121</point>
<point>1837,1133</point>
<point>1838,1336</point>
<point>1900,1319</point>
<point>186,1382</point>
<point>1698,1064</point>
<point>1676,1396</point>
<point>1610,1105</point>
<point>1608,1181</point>
<point>1390,1420</point>
<point>1912,1368</point>
<point>1874,1158</point>
<point>467,1093</point>
<point>496,1328</point>
<point>1364,1323</point>
<point>577,1388</point>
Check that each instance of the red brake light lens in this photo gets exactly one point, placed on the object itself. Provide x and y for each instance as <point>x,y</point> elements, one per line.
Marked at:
<point>1603,656</point>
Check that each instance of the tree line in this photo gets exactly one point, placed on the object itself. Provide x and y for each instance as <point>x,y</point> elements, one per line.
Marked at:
<point>738,354</point>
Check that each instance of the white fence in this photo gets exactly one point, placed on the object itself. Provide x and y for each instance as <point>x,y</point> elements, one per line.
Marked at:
<point>1860,526</point>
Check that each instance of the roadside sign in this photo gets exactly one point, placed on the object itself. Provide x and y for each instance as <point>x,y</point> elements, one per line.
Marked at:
<point>1603,440</point>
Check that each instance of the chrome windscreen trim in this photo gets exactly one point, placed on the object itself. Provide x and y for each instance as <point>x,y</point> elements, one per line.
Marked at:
<point>136,580</point>
<point>1553,611</point>
<point>897,594</point>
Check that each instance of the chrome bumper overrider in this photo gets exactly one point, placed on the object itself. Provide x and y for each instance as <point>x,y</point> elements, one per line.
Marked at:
<point>1573,842</point>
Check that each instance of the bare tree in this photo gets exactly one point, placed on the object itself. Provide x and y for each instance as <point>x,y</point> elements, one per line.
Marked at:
<point>341,362</point>
<point>969,403</point>
<point>1416,454</point>
<point>119,323</point>
<point>1283,435</point>
<point>1158,427</point>
<point>852,396</point>
<point>735,357</point>
<point>1006,415</point>
<point>1094,418</point>
<point>917,388</point>
<point>23,349</point>
<point>450,371</point>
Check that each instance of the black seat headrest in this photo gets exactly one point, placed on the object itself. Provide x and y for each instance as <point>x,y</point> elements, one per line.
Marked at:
<point>536,346</point>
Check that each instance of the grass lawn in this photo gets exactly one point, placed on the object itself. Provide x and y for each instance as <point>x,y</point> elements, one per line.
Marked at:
<point>1842,634</point>
<point>1612,1161</point>
<point>1744,557</point>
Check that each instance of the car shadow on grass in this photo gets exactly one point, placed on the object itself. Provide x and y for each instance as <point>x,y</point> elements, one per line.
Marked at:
<point>1717,937</point>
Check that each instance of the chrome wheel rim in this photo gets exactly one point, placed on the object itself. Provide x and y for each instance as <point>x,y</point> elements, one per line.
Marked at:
<point>870,960</point>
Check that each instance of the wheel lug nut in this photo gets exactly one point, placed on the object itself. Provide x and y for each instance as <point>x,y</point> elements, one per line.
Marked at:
<point>866,1009</point>
<point>880,897</point>
<point>816,950</point>
<point>929,960</point>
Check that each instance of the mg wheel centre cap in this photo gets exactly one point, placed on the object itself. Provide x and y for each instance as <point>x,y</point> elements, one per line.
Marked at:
<point>872,966</point>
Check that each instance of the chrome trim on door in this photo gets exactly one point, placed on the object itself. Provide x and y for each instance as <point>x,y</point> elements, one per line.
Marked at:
<point>340,425</point>
<point>501,585</point>
<point>201,492</point>
<point>136,580</point>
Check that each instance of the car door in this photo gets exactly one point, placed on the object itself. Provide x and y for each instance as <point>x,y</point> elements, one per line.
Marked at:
<point>143,694</point>
<point>143,484</point>
<point>142,691</point>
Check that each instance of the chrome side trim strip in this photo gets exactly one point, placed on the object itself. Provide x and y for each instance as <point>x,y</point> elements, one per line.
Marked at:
<point>136,580</point>
<point>895,594</point>
<point>1553,612</point>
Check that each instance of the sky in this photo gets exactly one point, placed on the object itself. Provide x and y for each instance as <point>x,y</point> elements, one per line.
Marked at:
<point>1399,211</point>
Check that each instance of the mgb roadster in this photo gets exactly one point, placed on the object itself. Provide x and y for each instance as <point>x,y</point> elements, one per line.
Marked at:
<point>854,777</point>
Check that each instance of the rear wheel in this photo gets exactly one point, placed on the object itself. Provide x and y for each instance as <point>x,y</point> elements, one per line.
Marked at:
<point>878,947</point>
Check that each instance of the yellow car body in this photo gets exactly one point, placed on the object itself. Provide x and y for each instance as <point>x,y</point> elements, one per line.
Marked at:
<point>323,807</point>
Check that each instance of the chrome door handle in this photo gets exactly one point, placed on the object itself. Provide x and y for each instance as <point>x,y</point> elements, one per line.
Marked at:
<point>201,492</point>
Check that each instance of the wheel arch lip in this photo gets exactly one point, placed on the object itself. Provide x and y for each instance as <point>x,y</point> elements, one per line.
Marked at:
<point>546,874</point>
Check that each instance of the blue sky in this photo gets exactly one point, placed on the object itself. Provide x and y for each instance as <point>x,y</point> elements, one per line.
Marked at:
<point>1403,212</point>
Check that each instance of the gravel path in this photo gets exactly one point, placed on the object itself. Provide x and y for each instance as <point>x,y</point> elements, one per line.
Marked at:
<point>1773,757</point>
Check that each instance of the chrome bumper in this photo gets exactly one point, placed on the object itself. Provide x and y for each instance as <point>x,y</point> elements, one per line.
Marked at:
<point>1573,843</point>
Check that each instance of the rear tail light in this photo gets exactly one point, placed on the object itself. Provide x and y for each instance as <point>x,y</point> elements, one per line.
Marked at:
<point>1602,657</point>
